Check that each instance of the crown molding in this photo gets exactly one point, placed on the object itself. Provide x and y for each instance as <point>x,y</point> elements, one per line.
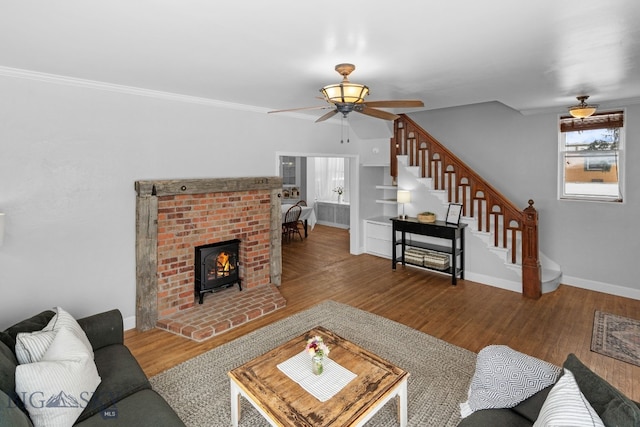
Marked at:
<point>606,105</point>
<point>129,90</point>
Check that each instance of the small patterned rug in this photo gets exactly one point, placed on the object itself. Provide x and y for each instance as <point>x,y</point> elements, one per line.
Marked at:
<point>617,337</point>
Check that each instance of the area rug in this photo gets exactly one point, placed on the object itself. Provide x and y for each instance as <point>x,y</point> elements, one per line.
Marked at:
<point>440,373</point>
<point>617,337</point>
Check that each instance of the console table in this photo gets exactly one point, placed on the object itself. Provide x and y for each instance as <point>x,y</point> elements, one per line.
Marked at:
<point>439,229</point>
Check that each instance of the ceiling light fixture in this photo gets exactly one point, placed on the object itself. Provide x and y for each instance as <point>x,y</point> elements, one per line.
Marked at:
<point>582,110</point>
<point>345,95</point>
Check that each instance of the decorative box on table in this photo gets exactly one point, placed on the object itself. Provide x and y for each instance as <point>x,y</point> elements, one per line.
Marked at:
<point>436,260</point>
<point>426,258</point>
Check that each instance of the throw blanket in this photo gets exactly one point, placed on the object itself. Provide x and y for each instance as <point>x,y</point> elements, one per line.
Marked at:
<point>505,377</point>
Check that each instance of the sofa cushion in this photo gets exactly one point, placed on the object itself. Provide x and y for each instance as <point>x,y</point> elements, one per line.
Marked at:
<point>530,408</point>
<point>54,388</point>
<point>144,408</point>
<point>103,329</point>
<point>11,415</point>
<point>567,406</point>
<point>34,323</point>
<point>8,365</point>
<point>613,407</point>
<point>505,377</point>
<point>121,376</point>
<point>495,418</point>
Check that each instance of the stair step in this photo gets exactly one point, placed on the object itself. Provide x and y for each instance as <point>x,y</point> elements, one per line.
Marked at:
<point>427,182</point>
<point>551,274</point>
<point>550,280</point>
<point>414,170</point>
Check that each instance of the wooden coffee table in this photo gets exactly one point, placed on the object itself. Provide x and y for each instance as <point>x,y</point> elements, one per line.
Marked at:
<point>283,402</point>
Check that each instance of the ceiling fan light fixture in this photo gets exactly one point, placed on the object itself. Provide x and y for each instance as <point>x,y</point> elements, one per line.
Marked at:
<point>345,97</point>
<point>345,93</point>
<point>582,110</point>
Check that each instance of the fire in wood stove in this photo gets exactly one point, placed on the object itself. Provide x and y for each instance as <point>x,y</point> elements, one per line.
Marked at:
<point>217,267</point>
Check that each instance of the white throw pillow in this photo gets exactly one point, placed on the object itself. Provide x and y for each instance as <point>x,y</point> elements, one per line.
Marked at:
<point>567,406</point>
<point>31,346</point>
<point>56,390</point>
<point>64,320</point>
<point>505,377</point>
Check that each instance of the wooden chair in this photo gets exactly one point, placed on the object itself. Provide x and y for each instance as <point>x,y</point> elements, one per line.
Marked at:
<point>302,203</point>
<point>290,224</point>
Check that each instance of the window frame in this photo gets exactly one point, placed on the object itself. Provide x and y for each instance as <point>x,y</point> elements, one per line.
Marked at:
<point>602,120</point>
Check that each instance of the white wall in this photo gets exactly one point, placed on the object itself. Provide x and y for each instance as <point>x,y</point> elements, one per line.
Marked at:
<point>596,244</point>
<point>70,156</point>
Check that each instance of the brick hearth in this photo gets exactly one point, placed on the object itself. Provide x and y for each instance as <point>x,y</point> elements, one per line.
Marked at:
<point>225,310</point>
<point>173,217</point>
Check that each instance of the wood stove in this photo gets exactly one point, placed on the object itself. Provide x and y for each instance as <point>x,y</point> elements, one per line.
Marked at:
<point>217,267</point>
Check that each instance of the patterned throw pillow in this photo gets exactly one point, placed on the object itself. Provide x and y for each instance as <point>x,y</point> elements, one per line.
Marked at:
<point>56,389</point>
<point>31,346</point>
<point>567,406</point>
<point>505,377</point>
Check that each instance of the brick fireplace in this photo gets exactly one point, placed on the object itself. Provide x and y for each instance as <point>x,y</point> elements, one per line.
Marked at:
<point>173,218</point>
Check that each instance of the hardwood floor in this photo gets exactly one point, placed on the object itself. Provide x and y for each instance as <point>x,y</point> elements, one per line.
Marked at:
<point>469,315</point>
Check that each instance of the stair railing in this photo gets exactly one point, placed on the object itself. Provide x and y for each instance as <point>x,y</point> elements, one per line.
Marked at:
<point>492,211</point>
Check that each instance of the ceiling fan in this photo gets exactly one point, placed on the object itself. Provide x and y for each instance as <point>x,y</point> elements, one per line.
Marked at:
<point>345,97</point>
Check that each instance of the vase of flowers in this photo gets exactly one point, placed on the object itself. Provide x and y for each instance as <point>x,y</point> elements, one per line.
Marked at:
<point>340,191</point>
<point>318,350</point>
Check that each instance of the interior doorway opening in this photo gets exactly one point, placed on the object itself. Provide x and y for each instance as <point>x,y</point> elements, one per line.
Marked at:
<point>302,167</point>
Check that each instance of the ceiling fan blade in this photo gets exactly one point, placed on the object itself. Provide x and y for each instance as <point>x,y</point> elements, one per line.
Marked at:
<point>322,107</point>
<point>379,114</point>
<point>398,103</point>
<point>327,116</point>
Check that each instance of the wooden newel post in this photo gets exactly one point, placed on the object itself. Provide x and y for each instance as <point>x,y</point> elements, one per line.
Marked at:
<point>531,274</point>
<point>393,158</point>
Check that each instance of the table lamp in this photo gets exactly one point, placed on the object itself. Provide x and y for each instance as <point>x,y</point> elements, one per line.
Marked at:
<point>404,196</point>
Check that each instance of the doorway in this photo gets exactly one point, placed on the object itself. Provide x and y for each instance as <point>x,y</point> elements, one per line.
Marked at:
<point>302,159</point>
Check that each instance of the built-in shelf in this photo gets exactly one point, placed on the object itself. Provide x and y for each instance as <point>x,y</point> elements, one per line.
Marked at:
<point>386,190</point>
<point>375,165</point>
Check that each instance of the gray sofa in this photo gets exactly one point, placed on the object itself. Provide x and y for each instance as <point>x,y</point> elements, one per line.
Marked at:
<point>124,396</point>
<point>612,407</point>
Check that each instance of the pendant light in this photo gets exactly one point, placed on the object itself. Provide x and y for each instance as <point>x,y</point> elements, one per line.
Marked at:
<point>582,110</point>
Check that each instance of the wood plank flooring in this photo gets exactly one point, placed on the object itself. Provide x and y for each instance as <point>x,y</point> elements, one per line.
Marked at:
<point>469,315</point>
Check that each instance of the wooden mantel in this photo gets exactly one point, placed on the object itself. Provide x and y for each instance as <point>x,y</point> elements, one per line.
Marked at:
<point>147,231</point>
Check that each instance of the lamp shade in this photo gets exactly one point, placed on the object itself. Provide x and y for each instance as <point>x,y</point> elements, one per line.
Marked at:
<point>345,93</point>
<point>404,196</point>
<point>582,110</point>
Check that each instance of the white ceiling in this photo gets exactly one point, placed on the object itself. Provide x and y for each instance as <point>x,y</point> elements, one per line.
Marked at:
<point>533,56</point>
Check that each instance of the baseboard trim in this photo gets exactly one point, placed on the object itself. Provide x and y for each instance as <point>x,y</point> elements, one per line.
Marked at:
<point>576,282</point>
<point>129,322</point>
<point>596,286</point>
<point>494,281</point>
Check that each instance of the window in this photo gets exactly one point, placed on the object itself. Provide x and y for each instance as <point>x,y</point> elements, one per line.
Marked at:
<point>591,154</point>
<point>330,176</point>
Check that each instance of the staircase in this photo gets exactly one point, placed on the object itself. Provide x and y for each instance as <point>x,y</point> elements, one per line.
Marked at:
<point>503,241</point>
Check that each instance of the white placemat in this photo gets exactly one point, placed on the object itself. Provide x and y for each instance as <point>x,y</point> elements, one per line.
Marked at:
<point>323,387</point>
